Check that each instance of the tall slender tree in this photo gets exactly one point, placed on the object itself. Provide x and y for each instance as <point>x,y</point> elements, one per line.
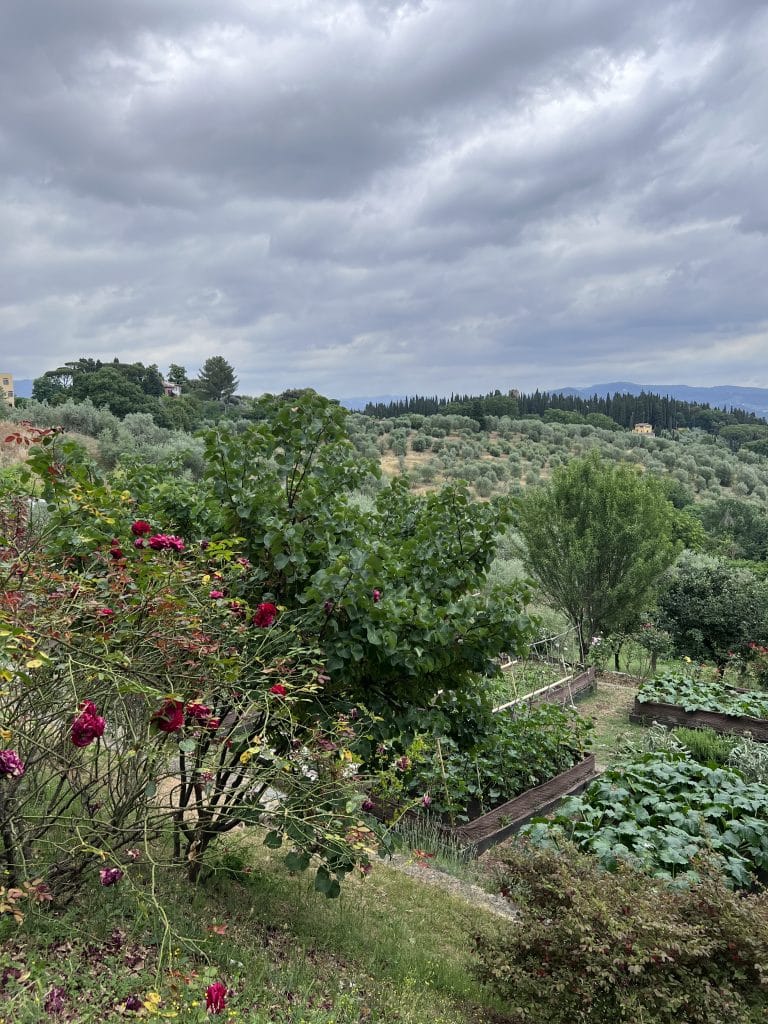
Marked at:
<point>217,379</point>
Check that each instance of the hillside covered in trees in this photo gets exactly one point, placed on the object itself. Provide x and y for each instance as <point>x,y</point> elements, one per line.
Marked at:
<point>622,409</point>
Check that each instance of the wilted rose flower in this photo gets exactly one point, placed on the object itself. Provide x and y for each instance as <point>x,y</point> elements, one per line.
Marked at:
<point>216,997</point>
<point>199,711</point>
<point>403,763</point>
<point>426,800</point>
<point>140,528</point>
<point>133,1003</point>
<point>215,595</point>
<point>169,717</point>
<point>328,606</point>
<point>115,551</point>
<point>265,615</point>
<point>88,725</point>
<point>11,765</point>
<point>54,1000</point>
<point>213,723</point>
<point>278,689</point>
<point>110,876</point>
<point>367,804</point>
<point>376,596</point>
<point>133,854</point>
<point>105,613</point>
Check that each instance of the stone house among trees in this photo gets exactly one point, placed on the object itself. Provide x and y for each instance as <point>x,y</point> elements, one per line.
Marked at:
<point>642,428</point>
<point>6,389</point>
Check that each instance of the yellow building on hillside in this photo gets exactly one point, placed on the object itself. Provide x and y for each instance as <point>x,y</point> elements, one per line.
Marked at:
<point>6,388</point>
<point>642,428</point>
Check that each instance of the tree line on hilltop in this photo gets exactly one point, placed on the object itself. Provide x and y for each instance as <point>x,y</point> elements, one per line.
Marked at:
<point>623,410</point>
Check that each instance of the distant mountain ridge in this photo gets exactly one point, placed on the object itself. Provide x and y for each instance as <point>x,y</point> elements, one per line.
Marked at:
<point>722,396</point>
<point>22,388</point>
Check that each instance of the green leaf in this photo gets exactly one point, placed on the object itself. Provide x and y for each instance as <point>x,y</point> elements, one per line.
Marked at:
<point>326,884</point>
<point>297,860</point>
<point>273,840</point>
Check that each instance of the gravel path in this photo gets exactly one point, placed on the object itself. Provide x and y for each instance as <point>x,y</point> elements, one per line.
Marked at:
<point>467,891</point>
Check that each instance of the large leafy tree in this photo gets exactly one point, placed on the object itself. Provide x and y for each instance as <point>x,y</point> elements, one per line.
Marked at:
<point>392,585</point>
<point>597,539</point>
<point>217,379</point>
<point>713,609</point>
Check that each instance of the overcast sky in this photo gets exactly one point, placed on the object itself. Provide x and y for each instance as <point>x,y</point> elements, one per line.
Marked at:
<point>387,197</point>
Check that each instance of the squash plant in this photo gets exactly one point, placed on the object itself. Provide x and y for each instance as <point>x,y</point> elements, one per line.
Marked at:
<point>662,811</point>
<point>701,695</point>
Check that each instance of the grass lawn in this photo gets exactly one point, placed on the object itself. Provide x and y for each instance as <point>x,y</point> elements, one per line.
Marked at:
<point>609,706</point>
<point>390,949</point>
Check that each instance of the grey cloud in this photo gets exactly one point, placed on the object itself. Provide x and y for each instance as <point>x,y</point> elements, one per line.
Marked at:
<point>386,196</point>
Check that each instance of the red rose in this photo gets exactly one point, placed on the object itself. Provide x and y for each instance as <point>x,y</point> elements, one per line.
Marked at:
<point>215,595</point>
<point>140,528</point>
<point>376,596</point>
<point>88,725</point>
<point>169,717</point>
<point>278,689</point>
<point>265,615</point>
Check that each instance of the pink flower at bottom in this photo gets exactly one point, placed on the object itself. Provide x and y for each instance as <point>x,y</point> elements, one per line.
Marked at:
<point>278,689</point>
<point>110,876</point>
<point>216,997</point>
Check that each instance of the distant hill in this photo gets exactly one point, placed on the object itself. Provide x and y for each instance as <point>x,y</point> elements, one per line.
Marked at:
<point>23,388</point>
<point>725,396</point>
<point>358,403</point>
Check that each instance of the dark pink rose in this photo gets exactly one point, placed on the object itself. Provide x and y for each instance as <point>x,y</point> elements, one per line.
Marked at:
<point>11,765</point>
<point>88,725</point>
<point>169,717</point>
<point>265,615</point>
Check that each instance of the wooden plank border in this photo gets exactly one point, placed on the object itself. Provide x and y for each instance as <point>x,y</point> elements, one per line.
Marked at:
<point>493,827</point>
<point>485,831</point>
<point>648,712</point>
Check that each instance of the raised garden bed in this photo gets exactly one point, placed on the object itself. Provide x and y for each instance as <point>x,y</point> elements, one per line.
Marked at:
<point>648,712</point>
<point>487,830</point>
<point>491,828</point>
<point>562,691</point>
<point>678,700</point>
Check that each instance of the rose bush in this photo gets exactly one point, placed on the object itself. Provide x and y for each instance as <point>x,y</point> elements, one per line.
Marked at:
<point>167,723</point>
